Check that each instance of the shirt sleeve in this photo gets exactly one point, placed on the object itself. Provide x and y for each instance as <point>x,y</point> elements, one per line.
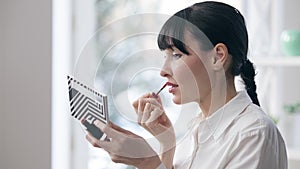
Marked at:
<point>258,150</point>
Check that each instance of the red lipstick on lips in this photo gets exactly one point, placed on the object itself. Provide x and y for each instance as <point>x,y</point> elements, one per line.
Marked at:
<point>166,84</point>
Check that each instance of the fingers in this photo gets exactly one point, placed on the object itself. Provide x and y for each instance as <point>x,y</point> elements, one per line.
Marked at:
<point>115,158</point>
<point>136,103</point>
<point>144,109</point>
<point>96,142</point>
<point>150,113</point>
<point>121,130</point>
<point>110,132</point>
<point>148,97</point>
<point>154,117</point>
<point>151,116</point>
<point>146,113</point>
<point>141,104</point>
<point>164,119</point>
<point>157,97</point>
<point>92,140</point>
<point>145,106</point>
<point>121,144</point>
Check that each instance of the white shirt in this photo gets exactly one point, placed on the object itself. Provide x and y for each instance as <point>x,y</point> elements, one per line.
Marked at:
<point>237,136</point>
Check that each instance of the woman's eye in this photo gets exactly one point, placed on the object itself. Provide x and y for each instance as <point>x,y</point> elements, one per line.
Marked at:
<point>176,56</point>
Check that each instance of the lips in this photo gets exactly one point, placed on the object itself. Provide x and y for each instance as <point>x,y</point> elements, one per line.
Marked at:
<point>171,90</point>
<point>173,87</point>
<point>172,84</point>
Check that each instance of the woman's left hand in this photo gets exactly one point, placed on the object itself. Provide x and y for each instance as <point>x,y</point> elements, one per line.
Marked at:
<point>125,147</point>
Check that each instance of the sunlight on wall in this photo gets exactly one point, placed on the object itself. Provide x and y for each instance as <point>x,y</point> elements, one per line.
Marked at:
<point>61,50</point>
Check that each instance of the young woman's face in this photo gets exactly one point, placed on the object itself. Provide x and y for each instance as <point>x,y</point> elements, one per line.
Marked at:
<point>189,72</point>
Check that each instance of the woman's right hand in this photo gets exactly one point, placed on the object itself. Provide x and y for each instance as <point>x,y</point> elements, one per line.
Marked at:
<point>152,117</point>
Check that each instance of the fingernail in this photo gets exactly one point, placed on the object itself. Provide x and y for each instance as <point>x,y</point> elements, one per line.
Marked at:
<point>154,95</point>
<point>99,124</point>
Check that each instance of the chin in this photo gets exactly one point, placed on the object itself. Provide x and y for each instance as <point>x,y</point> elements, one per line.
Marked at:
<point>180,100</point>
<point>177,101</point>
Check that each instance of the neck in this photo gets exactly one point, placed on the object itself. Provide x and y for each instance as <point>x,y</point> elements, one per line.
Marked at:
<point>218,97</point>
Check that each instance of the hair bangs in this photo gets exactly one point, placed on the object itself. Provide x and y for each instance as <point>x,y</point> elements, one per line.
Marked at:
<point>172,34</point>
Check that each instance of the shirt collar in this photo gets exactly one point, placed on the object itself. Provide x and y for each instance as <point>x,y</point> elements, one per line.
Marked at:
<point>216,124</point>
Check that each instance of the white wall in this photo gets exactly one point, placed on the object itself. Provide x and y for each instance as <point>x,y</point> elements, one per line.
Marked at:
<point>291,14</point>
<point>25,81</point>
<point>291,81</point>
<point>25,84</point>
<point>291,84</point>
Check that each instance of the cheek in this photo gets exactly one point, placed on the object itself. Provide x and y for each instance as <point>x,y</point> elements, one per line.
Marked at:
<point>187,80</point>
<point>193,79</point>
<point>201,74</point>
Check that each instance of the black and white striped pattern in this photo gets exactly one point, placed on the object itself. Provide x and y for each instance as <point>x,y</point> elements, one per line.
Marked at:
<point>85,107</point>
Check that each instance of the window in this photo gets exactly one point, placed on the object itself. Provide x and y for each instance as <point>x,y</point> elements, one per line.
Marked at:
<point>109,37</point>
<point>112,53</point>
<point>119,54</point>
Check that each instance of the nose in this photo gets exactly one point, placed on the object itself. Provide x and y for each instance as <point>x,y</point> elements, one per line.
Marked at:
<point>166,69</point>
<point>163,73</point>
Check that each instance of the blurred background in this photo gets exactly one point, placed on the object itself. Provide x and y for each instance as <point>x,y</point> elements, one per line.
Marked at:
<point>111,45</point>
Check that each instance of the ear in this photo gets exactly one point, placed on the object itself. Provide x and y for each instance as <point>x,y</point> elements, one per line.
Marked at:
<point>220,57</point>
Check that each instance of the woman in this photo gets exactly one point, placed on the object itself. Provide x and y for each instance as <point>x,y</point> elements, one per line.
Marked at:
<point>206,46</point>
